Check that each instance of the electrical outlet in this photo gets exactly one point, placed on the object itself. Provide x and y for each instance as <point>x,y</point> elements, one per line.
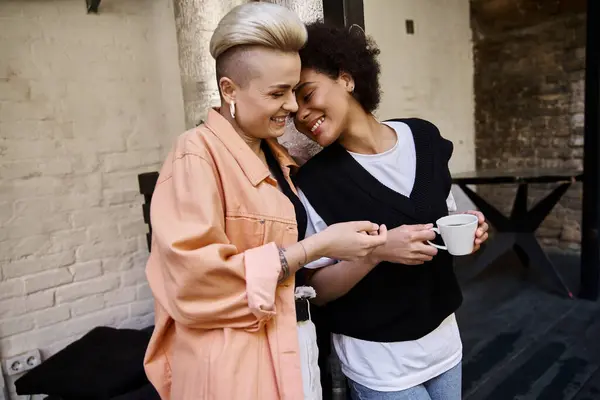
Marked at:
<point>22,362</point>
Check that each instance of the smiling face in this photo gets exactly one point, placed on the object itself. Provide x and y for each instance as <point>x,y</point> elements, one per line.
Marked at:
<point>323,105</point>
<point>263,95</point>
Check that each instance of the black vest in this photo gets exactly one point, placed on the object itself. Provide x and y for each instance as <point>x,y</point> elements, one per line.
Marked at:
<point>393,302</point>
<point>302,313</point>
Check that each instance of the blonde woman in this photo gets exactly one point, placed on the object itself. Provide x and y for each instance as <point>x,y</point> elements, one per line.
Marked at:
<point>228,228</point>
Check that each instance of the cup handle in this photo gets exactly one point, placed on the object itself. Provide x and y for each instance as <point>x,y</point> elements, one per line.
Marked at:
<point>437,246</point>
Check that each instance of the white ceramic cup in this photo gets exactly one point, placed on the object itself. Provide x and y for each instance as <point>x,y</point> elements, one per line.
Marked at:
<point>458,233</point>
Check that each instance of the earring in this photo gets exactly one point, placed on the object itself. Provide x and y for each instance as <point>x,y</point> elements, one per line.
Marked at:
<point>232,109</point>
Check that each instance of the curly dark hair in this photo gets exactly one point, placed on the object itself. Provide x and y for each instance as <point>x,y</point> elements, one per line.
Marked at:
<point>331,50</point>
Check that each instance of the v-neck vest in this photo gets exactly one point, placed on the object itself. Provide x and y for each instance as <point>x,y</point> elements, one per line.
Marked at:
<point>392,302</point>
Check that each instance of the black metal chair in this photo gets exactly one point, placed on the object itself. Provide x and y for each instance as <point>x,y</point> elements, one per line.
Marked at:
<point>147,183</point>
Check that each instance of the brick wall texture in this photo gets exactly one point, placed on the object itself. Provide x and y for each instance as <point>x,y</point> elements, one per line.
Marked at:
<point>529,93</point>
<point>86,103</point>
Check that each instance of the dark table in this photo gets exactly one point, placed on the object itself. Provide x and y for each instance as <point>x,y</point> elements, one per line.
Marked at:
<point>517,231</point>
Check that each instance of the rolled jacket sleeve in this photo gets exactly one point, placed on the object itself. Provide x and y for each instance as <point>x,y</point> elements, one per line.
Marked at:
<point>203,281</point>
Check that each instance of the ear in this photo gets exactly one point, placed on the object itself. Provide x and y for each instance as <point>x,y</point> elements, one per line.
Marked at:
<point>347,81</point>
<point>228,89</point>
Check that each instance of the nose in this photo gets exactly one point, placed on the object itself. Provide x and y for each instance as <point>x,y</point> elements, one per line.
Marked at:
<point>302,114</point>
<point>291,105</point>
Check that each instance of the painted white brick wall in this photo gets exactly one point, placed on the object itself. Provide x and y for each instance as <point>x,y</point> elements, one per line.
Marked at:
<point>429,74</point>
<point>86,103</point>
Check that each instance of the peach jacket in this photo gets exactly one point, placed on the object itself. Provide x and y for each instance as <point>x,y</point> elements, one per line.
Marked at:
<point>225,330</point>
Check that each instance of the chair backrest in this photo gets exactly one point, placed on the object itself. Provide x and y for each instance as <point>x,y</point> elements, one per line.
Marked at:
<point>147,183</point>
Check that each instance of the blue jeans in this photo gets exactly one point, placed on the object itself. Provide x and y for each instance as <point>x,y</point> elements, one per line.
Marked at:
<point>446,386</point>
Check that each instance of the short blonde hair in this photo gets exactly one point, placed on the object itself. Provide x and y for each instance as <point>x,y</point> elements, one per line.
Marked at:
<point>258,24</point>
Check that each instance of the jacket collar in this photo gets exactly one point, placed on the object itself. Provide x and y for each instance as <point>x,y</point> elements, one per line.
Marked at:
<point>249,162</point>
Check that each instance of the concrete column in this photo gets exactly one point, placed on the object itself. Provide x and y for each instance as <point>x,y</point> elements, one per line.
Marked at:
<point>307,10</point>
<point>195,21</point>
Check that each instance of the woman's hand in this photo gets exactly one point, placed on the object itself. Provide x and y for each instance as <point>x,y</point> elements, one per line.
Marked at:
<point>481,234</point>
<point>349,241</point>
<point>407,245</point>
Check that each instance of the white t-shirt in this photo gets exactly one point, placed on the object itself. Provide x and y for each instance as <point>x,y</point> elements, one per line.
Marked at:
<point>393,366</point>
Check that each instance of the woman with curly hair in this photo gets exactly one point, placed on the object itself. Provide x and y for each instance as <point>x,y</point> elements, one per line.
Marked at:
<point>391,313</point>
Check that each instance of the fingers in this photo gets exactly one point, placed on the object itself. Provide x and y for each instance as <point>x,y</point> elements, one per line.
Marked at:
<point>425,249</point>
<point>414,262</point>
<point>421,258</point>
<point>481,239</point>
<point>418,233</point>
<point>416,227</point>
<point>383,230</point>
<point>481,234</point>
<point>422,235</point>
<point>364,226</point>
<point>375,241</point>
<point>482,230</point>
<point>375,233</point>
<point>478,214</point>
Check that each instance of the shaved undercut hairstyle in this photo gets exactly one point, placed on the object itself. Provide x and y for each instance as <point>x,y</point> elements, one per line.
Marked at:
<point>252,25</point>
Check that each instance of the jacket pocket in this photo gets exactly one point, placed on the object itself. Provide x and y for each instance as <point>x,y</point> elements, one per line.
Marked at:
<point>245,232</point>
